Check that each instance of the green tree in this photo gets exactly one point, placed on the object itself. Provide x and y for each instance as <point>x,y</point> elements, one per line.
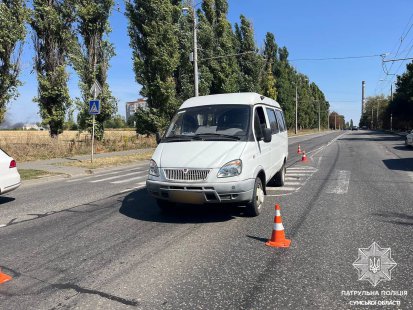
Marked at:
<point>250,63</point>
<point>219,70</point>
<point>351,123</point>
<point>267,79</point>
<point>52,24</point>
<point>184,73</point>
<point>401,106</point>
<point>153,33</point>
<point>13,15</point>
<point>116,122</point>
<point>90,57</point>
<point>374,115</point>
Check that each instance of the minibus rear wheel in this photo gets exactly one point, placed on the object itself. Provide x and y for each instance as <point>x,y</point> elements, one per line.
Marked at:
<point>279,178</point>
<point>254,207</point>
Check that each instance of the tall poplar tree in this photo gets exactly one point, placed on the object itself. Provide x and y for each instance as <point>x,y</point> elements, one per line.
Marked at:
<point>267,79</point>
<point>153,33</point>
<point>218,48</point>
<point>250,63</point>
<point>13,15</point>
<point>90,58</point>
<point>184,73</point>
<point>52,24</point>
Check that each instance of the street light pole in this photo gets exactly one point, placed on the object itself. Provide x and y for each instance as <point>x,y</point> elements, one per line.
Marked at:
<point>296,108</point>
<point>195,55</point>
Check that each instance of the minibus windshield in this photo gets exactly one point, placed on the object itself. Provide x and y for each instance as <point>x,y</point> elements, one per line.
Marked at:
<point>211,122</point>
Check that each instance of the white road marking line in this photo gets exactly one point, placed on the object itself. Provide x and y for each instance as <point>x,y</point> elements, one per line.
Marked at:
<point>117,177</point>
<point>292,183</point>
<point>81,178</point>
<point>279,195</point>
<point>3,225</point>
<point>282,188</point>
<point>410,174</point>
<point>340,185</point>
<point>128,180</point>
<point>297,174</point>
<point>318,150</point>
<point>132,189</point>
<point>301,169</point>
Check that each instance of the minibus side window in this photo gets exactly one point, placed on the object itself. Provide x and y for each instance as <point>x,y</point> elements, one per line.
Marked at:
<point>273,121</point>
<point>259,123</point>
<point>280,120</point>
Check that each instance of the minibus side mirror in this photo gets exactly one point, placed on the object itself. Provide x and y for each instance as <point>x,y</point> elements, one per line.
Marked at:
<point>267,135</point>
<point>158,137</point>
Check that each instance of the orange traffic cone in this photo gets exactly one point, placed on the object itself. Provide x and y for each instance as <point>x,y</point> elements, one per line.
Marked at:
<point>299,150</point>
<point>304,157</point>
<point>278,237</point>
<point>4,277</point>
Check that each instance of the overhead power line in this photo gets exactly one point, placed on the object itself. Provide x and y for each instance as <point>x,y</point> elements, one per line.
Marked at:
<point>337,58</point>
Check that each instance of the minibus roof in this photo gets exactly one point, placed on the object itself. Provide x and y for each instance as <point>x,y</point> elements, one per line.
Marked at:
<point>234,98</point>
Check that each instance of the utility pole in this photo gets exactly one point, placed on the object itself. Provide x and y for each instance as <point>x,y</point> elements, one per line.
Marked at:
<point>391,91</point>
<point>319,125</point>
<point>296,108</point>
<point>391,121</point>
<point>363,107</point>
<point>195,55</point>
<point>335,121</point>
<point>195,52</point>
<point>372,116</point>
<point>328,119</point>
<point>377,115</point>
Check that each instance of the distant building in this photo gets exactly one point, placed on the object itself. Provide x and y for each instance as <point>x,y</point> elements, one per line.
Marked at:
<point>32,127</point>
<point>133,106</point>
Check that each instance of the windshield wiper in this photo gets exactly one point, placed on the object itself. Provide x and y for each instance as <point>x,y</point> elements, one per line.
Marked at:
<point>179,138</point>
<point>218,135</point>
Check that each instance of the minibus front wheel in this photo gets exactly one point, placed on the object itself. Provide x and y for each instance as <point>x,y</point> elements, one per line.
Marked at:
<point>254,207</point>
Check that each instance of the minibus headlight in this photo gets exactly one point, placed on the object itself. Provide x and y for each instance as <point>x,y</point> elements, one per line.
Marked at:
<point>231,169</point>
<point>153,168</point>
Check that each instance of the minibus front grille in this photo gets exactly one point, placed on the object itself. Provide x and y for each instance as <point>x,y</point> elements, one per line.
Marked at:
<point>186,174</point>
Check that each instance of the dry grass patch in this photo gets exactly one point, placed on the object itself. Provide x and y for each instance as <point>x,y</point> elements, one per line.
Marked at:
<point>304,132</point>
<point>109,161</point>
<point>30,174</point>
<point>34,145</point>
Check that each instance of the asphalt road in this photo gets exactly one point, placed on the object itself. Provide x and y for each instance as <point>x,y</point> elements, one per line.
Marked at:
<point>100,242</point>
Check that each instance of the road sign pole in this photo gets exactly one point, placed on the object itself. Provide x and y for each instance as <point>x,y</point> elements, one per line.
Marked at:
<point>93,135</point>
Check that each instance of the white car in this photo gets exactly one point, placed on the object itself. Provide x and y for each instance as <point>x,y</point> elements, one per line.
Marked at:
<point>221,149</point>
<point>9,176</point>
<point>409,139</point>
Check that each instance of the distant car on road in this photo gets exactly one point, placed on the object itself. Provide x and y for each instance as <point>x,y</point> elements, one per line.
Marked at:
<point>9,176</point>
<point>409,139</point>
<point>354,128</point>
<point>364,127</point>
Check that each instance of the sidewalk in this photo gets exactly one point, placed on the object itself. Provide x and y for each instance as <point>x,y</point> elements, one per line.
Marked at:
<point>52,165</point>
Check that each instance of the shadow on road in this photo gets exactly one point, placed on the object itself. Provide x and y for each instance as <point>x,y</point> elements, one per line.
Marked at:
<point>359,137</point>
<point>402,164</point>
<point>403,148</point>
<point>258,238</point>
<point>140,205</point>
<point>6,199</point>
<point>395,218</point>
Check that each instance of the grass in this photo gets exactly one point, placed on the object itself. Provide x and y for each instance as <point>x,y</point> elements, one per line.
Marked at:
<point>35,145</point>
<point>304,132</point>
<point>109,161</point>
<point>30,174</point>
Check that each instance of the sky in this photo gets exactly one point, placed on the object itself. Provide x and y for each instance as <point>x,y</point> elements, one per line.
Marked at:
<point>317,29</point>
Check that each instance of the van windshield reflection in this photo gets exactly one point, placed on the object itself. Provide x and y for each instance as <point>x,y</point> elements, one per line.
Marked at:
<point>217,122</point>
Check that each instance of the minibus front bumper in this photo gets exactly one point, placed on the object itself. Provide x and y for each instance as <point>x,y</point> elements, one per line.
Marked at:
<point>202,193</point>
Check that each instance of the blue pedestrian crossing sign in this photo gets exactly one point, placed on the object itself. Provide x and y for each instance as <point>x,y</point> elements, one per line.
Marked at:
<point>94,107</point>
